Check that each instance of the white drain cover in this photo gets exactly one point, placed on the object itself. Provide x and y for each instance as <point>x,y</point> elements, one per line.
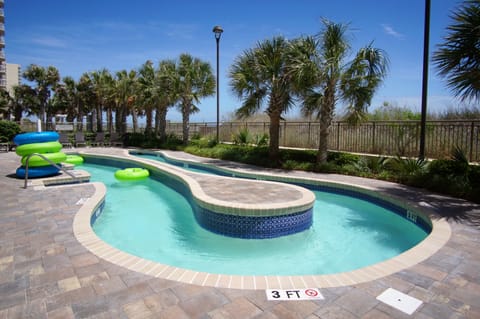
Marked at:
<point>399,300</point>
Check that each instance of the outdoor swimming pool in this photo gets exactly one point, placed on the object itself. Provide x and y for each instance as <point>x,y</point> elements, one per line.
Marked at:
<point>154,221</point>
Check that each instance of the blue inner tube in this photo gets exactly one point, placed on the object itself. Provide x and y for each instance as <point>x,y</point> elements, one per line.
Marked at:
<point>33,172</point>
<point>35,137</point>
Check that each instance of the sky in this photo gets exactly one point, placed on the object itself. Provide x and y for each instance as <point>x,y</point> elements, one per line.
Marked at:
<point>89,35</point>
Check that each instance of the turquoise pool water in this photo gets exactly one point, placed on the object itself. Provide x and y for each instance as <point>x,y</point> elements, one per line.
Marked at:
<point>153,221</point>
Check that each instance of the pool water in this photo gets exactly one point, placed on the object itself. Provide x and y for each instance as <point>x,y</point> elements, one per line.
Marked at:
<point>155,222</point>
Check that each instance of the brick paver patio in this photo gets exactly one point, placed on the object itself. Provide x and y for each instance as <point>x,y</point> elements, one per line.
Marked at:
<point>46,273</point>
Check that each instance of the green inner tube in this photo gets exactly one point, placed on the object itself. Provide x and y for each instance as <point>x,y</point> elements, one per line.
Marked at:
<point>45,147</point>
<point>131,174</point>
<point>74,159</point>
<point>36,160</point>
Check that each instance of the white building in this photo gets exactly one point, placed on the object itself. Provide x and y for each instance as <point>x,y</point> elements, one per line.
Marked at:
<point>13,76</point>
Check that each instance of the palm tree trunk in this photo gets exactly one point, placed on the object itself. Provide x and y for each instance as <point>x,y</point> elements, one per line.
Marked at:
<point>161,120</point>
<point>185,122</point>
<point>273,150</point>
<point>325,122</point>
<point>134,120</point>
<point>99,118</point>
<point>148,120</point>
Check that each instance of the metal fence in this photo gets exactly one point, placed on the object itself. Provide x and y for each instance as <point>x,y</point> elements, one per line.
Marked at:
<point>377,137</point>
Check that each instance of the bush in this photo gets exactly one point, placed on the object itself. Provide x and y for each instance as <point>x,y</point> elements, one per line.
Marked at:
<point>8,130</point>
<point>342,159</point>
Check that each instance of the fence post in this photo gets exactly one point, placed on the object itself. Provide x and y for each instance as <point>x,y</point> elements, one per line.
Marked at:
<point>472,127</point>
<point>338,136</point>
<point>373,137</point>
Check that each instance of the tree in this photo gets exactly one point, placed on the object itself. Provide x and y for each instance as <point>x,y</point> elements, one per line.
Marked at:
<point>195,81</point>
<point>103,88</point>
<point>458,57</point>
<point>125,89</point>
<point>335,79</point>
<point>22,100</point>
<point>46,79</point>
<point>262,76</point>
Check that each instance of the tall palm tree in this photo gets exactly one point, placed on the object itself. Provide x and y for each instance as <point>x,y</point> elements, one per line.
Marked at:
<point>125,90</point>
<point>46,79</point>
<point>103,87</point>
<point>5,103</point>
<point>263,75</point>
<point>22,100</point>
<point>167,79</point>
<point>147,92</point>
<point>195,81</point>
<point>66,99</point>
<point>354,82</point>
<point>458,57</point>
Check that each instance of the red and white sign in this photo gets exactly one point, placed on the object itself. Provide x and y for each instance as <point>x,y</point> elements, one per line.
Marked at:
<point>294,294</point>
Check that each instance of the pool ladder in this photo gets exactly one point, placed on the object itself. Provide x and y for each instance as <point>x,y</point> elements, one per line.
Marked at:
<point>49,161</point>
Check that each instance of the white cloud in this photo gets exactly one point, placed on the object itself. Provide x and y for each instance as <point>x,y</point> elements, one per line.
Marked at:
<point>390,31</point>
<point>49,42</point>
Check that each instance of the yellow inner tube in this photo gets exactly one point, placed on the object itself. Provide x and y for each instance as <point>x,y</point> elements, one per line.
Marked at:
<point>132,174</point>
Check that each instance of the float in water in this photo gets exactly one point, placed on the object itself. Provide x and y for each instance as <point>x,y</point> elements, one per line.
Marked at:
<point>74,159</point>
<point>131,174</point>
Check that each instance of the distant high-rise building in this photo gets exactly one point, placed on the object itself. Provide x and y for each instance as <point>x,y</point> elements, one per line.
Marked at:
<point>3,68</point>
<point>13,76</point>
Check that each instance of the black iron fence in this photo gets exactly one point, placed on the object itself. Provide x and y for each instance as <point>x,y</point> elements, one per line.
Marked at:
<point>376,137</point>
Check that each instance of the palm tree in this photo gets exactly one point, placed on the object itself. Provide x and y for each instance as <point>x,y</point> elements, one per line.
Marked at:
<point>353,82</point>
<point>195,81</point>
<point>147,92</point>
<point>66,98</point>
<point>46,79</point>
<point>125,90</point>
<point>458,58</point>
<point>22,100</point>
<point>168,95</point>
<point>103,87</point>
<point>5,103</point>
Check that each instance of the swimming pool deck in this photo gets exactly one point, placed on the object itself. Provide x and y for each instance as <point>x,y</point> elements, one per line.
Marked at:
<point>46,273</point>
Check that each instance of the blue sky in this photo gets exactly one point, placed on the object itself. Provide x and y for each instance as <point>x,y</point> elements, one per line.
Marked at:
<point>88,35</point>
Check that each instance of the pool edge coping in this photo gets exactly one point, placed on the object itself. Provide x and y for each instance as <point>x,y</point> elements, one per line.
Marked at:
<point>438,237</point>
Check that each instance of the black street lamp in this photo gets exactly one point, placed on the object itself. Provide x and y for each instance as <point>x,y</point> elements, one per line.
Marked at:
<point>426,41</point>
<point>218,33</point>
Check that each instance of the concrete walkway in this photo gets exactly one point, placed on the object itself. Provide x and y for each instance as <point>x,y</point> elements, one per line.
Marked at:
<point>46,273</point>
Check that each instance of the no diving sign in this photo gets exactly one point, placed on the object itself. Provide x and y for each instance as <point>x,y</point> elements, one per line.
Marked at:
<point>294,294</point>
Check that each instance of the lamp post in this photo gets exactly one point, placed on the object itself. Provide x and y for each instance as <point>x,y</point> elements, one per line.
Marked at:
<point>218,33</point>
<point>426,41</point>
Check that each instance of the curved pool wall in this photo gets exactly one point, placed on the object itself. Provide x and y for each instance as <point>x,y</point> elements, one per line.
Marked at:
<point>394,205</point>
<point>236,223</point>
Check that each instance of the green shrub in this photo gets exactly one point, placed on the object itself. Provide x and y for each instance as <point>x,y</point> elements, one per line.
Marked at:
<point>341,159</point>
<point>8,130</point>
<point>444,167</point>
<point>242,137</point>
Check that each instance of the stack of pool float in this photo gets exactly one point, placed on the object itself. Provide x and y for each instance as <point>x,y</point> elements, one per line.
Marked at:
<point>44,143</point>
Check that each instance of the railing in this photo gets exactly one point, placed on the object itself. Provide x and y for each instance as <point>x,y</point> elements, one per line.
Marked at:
<point>46,159</point>
<point>375,137</point>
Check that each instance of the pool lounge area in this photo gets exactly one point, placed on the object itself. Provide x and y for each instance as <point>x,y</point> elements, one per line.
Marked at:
<point>45,272</point>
